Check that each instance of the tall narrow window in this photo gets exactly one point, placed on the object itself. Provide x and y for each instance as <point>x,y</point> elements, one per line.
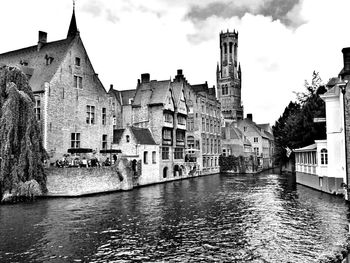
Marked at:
<point>104,141</point>
<point>75,140</point>
<point>154,154</point>
<point>165,153</point>
<point>324,156</point>
<point>104,116</point>
<point>145,157</point>
<point>127,138</point>
<point>90,114</point>
<point>77,61</point>
<point>230,47</point>
<point>225,48</point>
<point>78,82</point>
<point>37,108</point>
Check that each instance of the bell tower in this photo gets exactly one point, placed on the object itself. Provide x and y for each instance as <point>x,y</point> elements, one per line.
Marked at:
<point>228,77</point>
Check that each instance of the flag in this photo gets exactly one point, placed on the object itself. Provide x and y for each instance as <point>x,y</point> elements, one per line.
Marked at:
<point>289,151</point>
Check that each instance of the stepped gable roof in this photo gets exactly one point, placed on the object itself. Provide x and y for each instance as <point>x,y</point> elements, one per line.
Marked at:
<point>36,61</point>
<point>117,135</point>
<point>177,90</point>
<point>143,135</point>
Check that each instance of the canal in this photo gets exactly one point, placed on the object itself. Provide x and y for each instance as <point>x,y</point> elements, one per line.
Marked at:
<point>220,218</point>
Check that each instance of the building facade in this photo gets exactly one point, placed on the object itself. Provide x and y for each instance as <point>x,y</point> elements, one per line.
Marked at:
<point>74,109</point>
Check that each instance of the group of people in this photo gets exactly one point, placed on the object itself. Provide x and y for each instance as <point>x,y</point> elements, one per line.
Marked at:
<point>83,162</point>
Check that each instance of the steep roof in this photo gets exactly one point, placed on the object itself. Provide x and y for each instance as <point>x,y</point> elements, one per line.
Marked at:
<point>117,135</point>
<point>255,127</point>
<point>200,87</point>
<point>159,91</point>
<point>143,136</point>
<point>73,29</point>
<point>123,96</point>
<point>37,61</point>
<point>177,90</point>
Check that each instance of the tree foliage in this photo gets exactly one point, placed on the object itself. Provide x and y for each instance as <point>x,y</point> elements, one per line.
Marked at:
<point>21,150</point>
<point>296,128</point>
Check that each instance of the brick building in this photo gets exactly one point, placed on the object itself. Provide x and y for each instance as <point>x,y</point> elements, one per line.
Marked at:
<point>74,109</point>
<point>203,124</point>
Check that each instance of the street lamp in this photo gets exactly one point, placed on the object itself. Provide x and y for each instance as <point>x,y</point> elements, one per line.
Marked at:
<point>342,87</point>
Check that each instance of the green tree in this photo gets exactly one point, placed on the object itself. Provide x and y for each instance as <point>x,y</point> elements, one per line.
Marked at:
<point>296,127</point>
<point>21,150</point>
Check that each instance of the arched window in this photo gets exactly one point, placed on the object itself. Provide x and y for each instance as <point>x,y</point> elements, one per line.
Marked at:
<point>225,48</point>
<point>165,172</point>
<point>324,156</point>
<point>230,47</point>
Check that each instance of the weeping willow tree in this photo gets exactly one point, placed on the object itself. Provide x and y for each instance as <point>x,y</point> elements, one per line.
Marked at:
<point>21,150</point>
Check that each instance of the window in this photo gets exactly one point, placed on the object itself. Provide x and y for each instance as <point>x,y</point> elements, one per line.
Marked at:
<point>165,172</point>
<point>168,118</point>
<point>165,153</point>
<point>230,47</point>
<point>77,61</point>
<point>75,140</point>
<point>256,150</point>
<point>37,108</point>
<point>225,48</point>
<point>104,141</point>
<point>256,139</point>
<point>78,82</point>
<point>180,136</point>
<point>90,114</point>
<point>224,89</point>
<point>145,157</point>
<point>224,152</point>
<point>181,120</point>
<point>324,157</point>
<point>127,138</point>
<point>203,124</point>
<point>167,137</point>
<point>244,129</point>
<point>154,155</point>
<point>179,153</point>
<point>320,181</point>
<point>207,124</point>
<point>104,116</point>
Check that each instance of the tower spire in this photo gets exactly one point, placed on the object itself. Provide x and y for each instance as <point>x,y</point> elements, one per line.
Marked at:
<point>73,29</point>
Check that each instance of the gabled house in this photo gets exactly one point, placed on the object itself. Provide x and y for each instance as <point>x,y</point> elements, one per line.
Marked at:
<point>261,141</point>
<point>138,146</point>
<point>72,106</point>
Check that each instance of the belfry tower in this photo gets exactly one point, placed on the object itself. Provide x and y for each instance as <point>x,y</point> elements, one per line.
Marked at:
<point>228,77</point>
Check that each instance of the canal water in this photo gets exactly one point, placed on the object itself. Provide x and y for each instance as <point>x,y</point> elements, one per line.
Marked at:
<point>220,218</point>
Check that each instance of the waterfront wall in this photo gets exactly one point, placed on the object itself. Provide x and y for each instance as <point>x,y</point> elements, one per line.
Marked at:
<point>331,185</point>
<point>84,181</point>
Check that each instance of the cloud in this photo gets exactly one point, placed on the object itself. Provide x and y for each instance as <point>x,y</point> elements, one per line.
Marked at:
<point>98,9</point>
<point>284,10</point>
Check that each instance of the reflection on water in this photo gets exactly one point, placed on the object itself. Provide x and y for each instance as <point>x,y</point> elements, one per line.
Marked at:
<point>264,218</point>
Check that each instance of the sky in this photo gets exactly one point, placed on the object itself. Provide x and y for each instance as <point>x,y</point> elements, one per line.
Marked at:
<point>281,42</point>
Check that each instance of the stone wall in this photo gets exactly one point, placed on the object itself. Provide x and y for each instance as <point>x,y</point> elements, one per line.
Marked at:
<point>83,181</point>
<point>329,185</point>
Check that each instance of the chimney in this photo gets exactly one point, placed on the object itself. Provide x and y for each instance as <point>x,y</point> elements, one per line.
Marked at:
<point>250,116</point>
<point>145,77</point>
<point>179,72</point>
<point>42,39</point>
<point>111,86</point>
<point>346,58</point>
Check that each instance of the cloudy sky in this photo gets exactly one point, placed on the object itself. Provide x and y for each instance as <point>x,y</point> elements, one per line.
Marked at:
<point>281,42</point>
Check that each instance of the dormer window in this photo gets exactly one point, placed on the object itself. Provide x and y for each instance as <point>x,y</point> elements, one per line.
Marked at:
<point>77,61</point>
<point>48,60</point>
<point>23,62</point>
